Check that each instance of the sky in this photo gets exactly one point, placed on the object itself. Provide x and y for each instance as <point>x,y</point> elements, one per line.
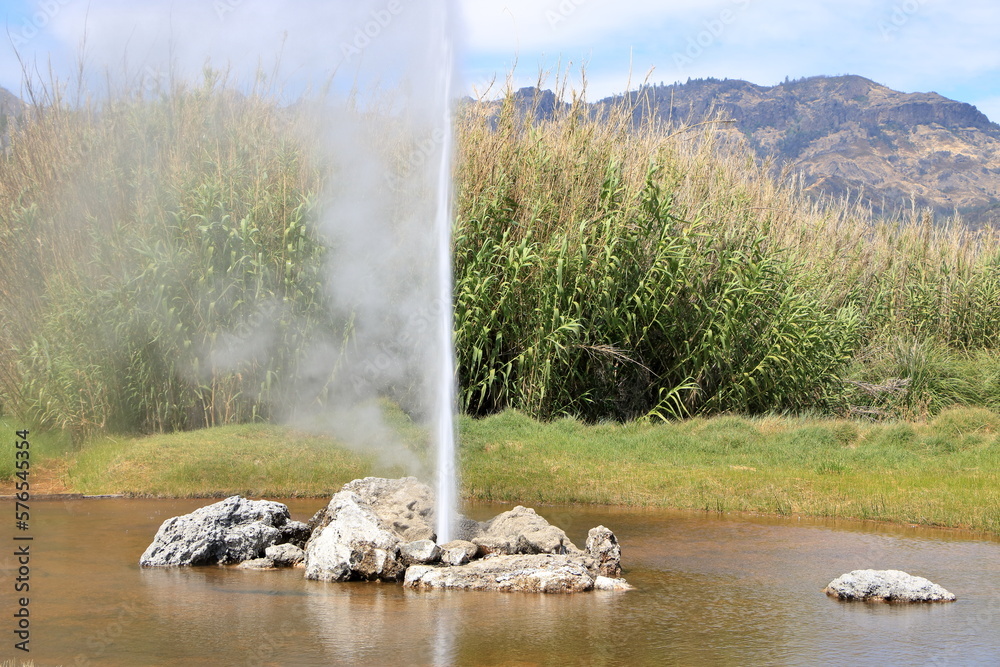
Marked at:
<point>946,46</point>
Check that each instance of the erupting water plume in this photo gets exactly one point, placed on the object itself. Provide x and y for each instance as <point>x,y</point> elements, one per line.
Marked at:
<point>447,482</point>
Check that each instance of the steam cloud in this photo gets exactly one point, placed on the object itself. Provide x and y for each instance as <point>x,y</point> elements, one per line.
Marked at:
<point>366,85</point>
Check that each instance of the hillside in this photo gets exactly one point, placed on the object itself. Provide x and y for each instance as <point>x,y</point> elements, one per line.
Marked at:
<point>848,134</point>
<point>10,106</point>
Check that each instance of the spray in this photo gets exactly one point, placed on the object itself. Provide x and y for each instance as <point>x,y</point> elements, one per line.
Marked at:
<point>447,478</point>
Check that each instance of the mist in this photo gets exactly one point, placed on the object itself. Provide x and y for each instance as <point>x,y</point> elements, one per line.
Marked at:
<point>362,88</point>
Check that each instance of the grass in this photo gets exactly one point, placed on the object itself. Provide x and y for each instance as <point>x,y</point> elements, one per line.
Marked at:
<point>941,473</point>
<point>945,472</point>
<point>46,445</point>
<point>252,459</point>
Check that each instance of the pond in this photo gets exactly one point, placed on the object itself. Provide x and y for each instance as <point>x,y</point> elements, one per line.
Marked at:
<point>711,589</point>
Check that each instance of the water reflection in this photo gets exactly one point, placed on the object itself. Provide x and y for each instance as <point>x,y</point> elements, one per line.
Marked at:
<point>711,590</point>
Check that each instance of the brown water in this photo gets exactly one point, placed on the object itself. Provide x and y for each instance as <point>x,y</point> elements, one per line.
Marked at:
<point>712,590</point>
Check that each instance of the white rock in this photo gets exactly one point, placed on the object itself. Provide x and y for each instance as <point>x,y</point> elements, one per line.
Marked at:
<point>539,573</point>
<point>886,585</point>
<point>602,583</point>
<point>420,552</point>
<point>353,545</point>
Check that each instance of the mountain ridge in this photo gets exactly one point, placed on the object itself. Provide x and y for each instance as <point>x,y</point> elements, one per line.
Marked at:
<point>847,136</point>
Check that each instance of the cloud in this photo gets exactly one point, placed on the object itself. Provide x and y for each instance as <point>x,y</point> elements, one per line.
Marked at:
<point>907,44</point>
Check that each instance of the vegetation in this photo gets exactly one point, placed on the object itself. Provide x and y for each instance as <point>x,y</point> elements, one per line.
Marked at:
<point>603,271</point>
<point>941,473</point>
<point>253,459</point>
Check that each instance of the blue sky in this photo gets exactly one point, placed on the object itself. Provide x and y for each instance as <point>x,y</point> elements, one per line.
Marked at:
<point>948,46</point>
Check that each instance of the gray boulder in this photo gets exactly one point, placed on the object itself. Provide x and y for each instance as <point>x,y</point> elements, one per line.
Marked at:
<point>230,531</point>
<point>523,531</point>
<point>257,564</point>
<point>352,544</point>
<point>295,532</point>
<point>285,555</point>
<point>887,586</point>
<point>420,552</point>
<point>603,547</point>
<point>538,573</point>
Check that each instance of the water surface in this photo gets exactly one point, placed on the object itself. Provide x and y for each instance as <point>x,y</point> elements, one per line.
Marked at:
<point>712,590</point>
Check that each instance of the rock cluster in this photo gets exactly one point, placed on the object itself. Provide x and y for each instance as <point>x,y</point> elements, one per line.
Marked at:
<point>378,529</point>
<point>886,586</point>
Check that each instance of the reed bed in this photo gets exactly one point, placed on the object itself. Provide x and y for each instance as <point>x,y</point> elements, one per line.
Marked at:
<point>604,269</point>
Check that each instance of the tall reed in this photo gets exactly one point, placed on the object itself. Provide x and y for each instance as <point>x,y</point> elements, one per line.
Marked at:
<point>604,269</point>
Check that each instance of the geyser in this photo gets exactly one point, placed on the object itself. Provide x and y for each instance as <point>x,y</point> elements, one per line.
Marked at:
<point>360,94</point>
<point>447,482</point>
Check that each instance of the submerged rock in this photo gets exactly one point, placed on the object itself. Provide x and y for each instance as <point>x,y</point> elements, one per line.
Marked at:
<point>230,531</point>
<point>538,573</point>
<point>602,583</point>
<point>887,586</point>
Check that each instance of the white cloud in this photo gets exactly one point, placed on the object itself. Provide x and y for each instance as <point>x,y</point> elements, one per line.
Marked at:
<point>512,26</point>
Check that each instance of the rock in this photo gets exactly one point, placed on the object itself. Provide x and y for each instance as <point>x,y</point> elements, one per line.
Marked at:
<point>382,529</point>
<point>419,552</point>
<point>458,552</point>
<point>296,533</point>
<point>886,585</point>
<point>230,531</point>
<point>538,573</point>
<point>352,544</point>
<point>403,506</point>
<point>603,547</point>
<point>522,531</point>
<point>285,555</point>
<point>257,564</point>
<point>467,529</point>
<point>602,583</point>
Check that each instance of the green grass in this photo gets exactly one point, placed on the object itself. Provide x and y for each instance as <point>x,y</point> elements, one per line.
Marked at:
<point>45,445</point>
<point>940,473</point>
<point>257,460</point>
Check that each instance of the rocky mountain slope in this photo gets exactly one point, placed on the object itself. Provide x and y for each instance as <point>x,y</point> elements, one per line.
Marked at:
<point>850,135</point>
<point>10,107</point>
